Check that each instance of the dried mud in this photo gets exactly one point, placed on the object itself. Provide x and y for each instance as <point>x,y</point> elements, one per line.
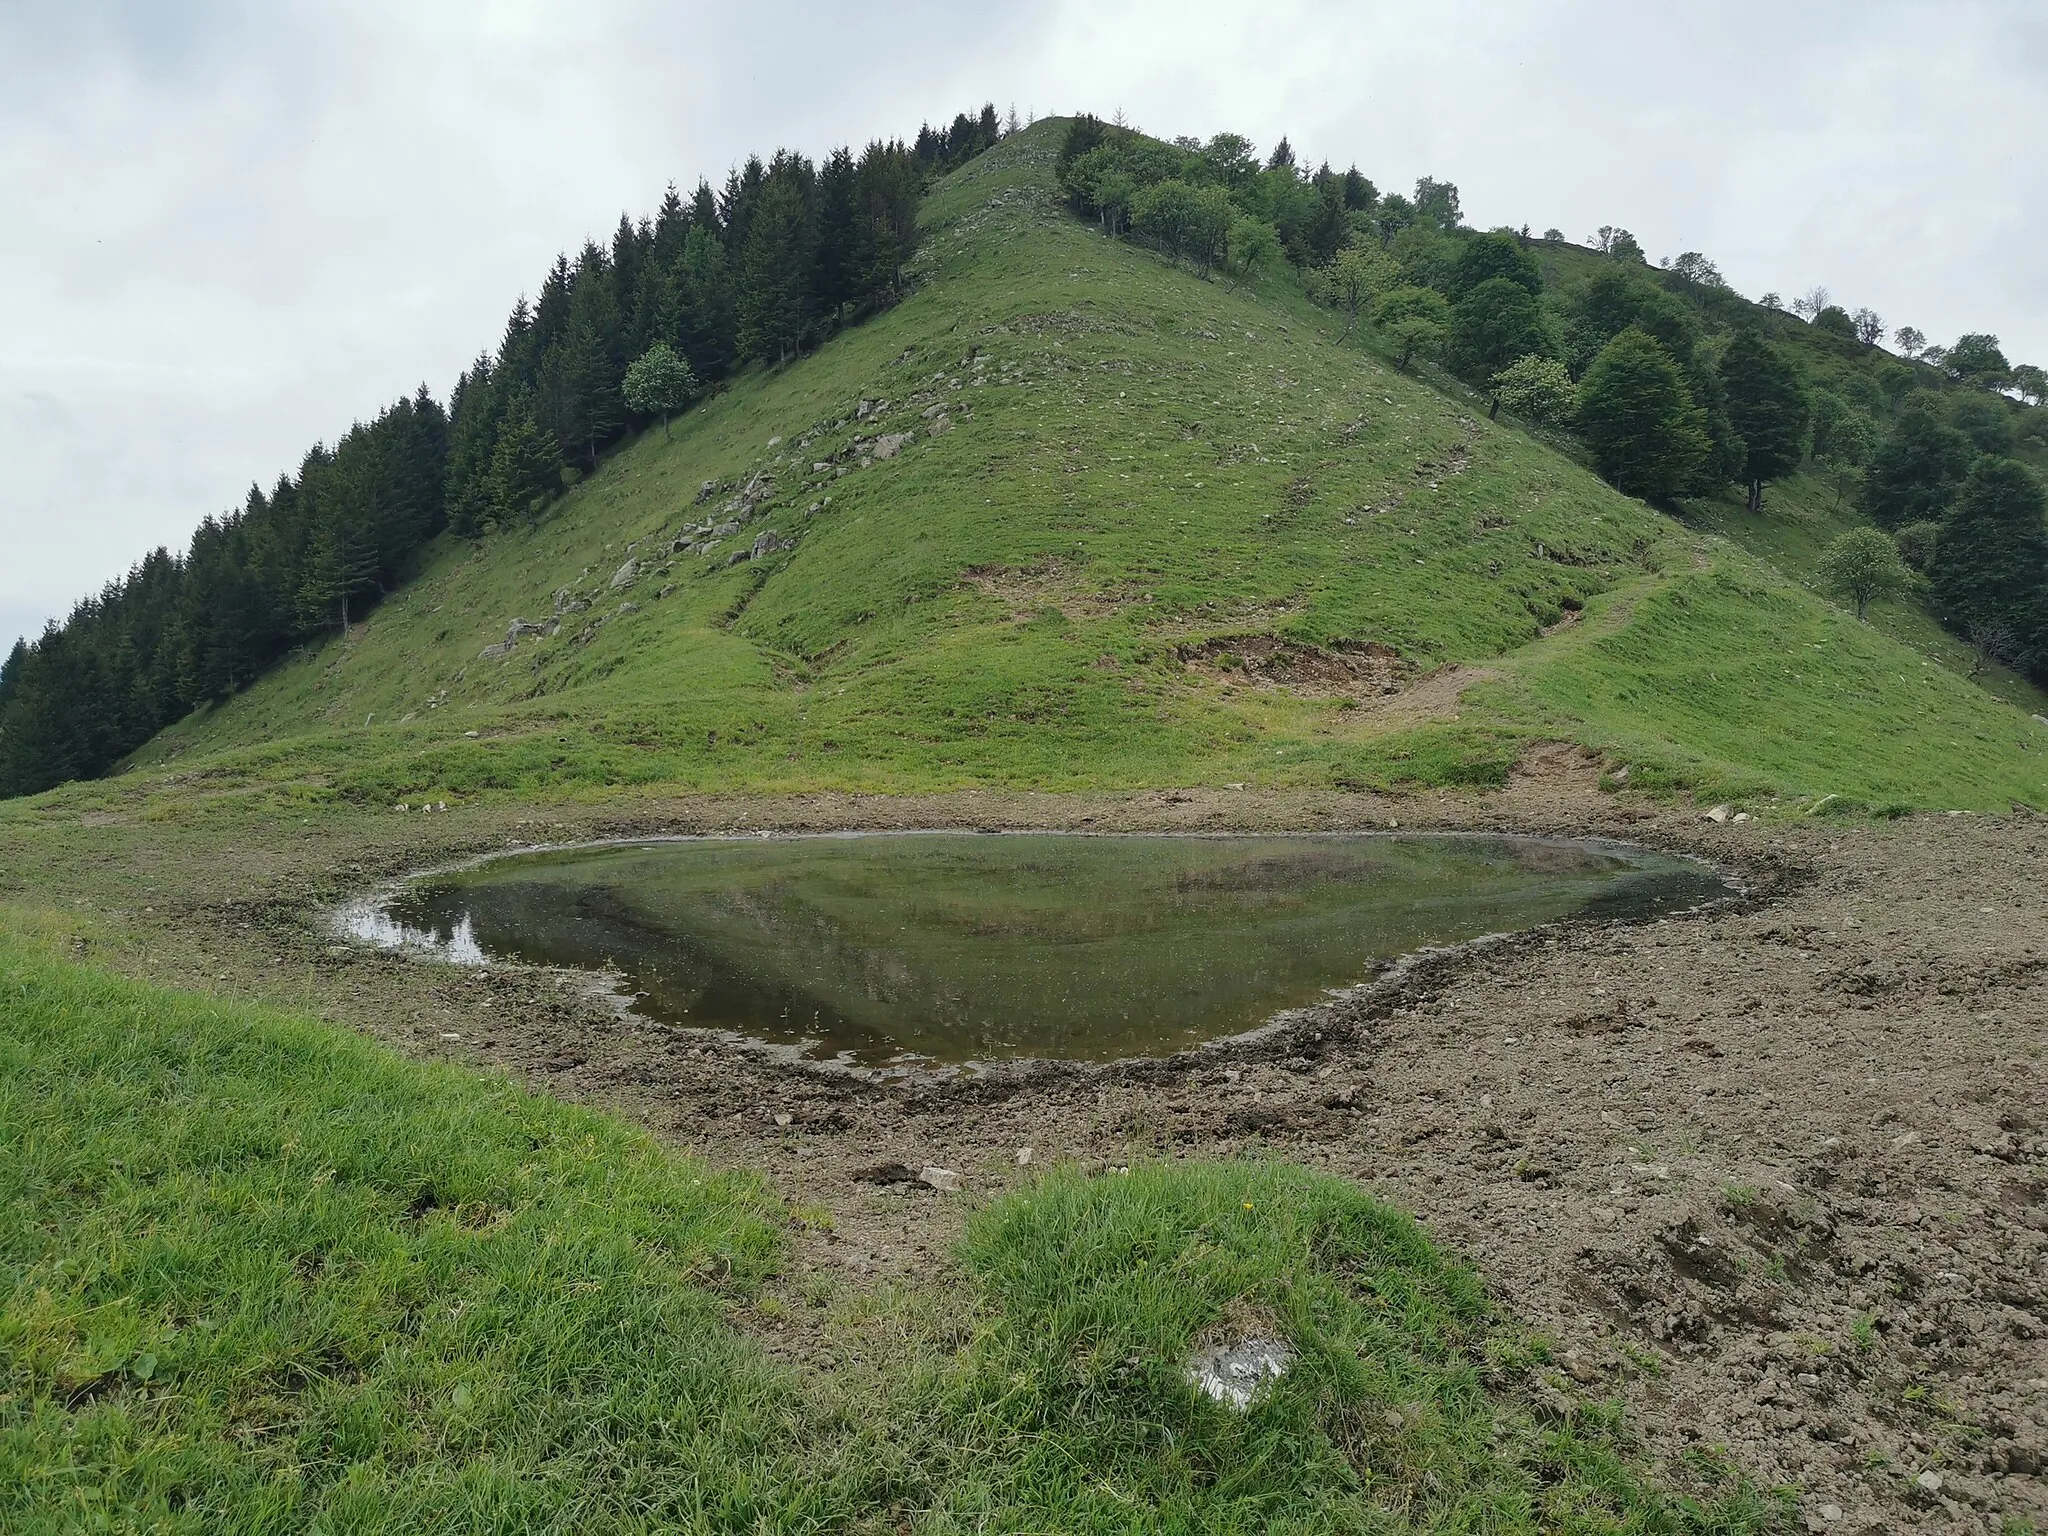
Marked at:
<point>1775,1175</point>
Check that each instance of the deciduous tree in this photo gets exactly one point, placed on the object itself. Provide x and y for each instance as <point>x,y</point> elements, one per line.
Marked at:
<point>1767,408</point>
<point>1491,326</point>
<point>1352,278</point>
<point>1860,566</point>
<point>659,383</point>
<point>1537,389</point>
<point>1638,418</point>
<point>1415,320</point>
<point>1991,561</point>
<point>1915,470</point>
<point>1976,359</point>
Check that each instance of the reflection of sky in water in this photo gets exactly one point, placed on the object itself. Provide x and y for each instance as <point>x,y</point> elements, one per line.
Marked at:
<point>374,925</point>
<point>952,947</point>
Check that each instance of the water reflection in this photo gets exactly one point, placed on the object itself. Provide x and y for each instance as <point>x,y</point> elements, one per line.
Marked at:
<point>451,940</point>
<point>955,947</point>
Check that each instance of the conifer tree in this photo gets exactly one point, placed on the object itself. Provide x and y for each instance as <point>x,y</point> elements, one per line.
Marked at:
<point>704,324</point>
<point>526,466</point>
<point>781,255</point>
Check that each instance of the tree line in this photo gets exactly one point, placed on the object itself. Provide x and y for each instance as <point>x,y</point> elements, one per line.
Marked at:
<point>775,261</point>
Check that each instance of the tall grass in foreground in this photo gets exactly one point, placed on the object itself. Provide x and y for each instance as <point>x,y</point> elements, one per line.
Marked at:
<point>259,1275</point>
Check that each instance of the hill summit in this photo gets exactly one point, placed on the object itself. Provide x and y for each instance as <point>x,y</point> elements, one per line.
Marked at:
<point>1078,513</point>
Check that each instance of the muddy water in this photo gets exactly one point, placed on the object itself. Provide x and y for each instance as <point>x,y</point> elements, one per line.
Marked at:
<point>952,947</point>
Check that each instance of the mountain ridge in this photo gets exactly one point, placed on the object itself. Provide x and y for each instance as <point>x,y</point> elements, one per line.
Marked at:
<point>1144,465</point>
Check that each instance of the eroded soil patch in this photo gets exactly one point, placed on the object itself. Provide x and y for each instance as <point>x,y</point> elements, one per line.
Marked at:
<point>1342,670</point>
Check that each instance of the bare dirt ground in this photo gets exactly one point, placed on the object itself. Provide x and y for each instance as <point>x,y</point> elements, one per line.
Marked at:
<point>1776,1175</point>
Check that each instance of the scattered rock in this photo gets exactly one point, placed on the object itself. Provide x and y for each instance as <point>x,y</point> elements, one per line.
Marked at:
<point>497,652</point>
<point>625,574</point>
<point>1720,813</point>
<point>1023,1157</point>
<point>942,426</point>
<point>766,544</point>
<point>942,1179</point>
<point>472,735</point>
<point>625,608</point>
<point>783,1118</point>
<point>1929,1480</point>
<point>1232,1374</point>
<point>889,444</point>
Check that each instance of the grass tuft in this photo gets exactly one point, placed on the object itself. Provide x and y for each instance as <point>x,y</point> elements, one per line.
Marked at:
<point>1410,1405</point>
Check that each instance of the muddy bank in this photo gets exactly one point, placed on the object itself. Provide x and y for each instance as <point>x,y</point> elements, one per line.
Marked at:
<point>1774,1176</point>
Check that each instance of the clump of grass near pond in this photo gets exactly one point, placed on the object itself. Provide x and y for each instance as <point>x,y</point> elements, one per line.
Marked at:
<point>1410,1406</point>
<point>258,1274</point>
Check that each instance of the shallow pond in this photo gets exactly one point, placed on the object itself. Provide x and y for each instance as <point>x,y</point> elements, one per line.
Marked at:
<point>955,947</point>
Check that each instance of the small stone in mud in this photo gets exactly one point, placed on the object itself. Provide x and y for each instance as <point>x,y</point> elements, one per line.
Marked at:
<point>942,1179</point>
<point>1023,1157</point>
<point>1929,1480</point>
<point>783,1118</point>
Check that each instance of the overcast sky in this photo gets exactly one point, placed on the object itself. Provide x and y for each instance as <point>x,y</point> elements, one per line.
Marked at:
<point>231,229</point>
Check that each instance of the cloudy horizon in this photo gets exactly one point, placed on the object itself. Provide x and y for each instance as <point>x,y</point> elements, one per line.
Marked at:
<point>235,231</point>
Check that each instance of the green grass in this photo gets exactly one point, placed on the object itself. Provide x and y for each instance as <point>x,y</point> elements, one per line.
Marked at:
<point>257,1274</point>
<point>1801,518</point>
<point>1732,681</point>
<point>1409,1406</point>
<point>1141,461</point>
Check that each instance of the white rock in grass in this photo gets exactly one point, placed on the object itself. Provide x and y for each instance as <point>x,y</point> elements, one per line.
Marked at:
<point>1233,1373</point>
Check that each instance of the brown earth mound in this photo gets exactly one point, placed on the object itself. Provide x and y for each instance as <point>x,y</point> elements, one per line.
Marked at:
<point>1344,670</point>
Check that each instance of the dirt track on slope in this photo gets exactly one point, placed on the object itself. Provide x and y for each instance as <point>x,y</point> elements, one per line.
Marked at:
<point>1777,1175</point>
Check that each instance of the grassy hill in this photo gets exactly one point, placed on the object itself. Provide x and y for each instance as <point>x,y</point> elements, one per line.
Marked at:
<point>1071,516</point>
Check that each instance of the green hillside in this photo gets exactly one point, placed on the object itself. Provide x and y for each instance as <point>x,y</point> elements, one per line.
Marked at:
<point>1136,529</point>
